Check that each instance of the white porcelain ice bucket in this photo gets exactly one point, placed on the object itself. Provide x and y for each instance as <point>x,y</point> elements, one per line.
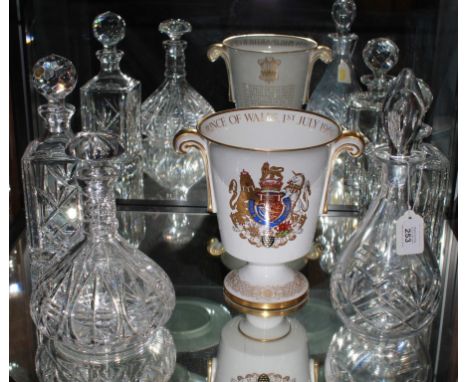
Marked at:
<point>266,171</point>
<point>269,69</point>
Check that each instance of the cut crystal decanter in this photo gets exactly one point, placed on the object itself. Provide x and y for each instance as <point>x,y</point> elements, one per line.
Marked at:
<point>432,183</point>
<point>365,108</point>
<point>104,299</point>
<point>53,213</point>
<point>339,81</point>
<point>430,180</point>
<point>111,102</point>
<point>387,282</point>
<point>352,358</point>
<point>155,363</point>
<point>175,105</point>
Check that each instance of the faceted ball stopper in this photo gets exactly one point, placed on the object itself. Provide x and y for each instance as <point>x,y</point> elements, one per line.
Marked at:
<point>175,28</point>
<point>403,109</point>
<point>109,29</point>
<point>95,146</point>
<point>343,14</point>
<point>380,55</point>
<point>54,77</point>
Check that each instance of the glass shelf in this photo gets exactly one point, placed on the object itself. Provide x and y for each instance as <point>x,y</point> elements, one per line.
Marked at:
<point>178,242</point>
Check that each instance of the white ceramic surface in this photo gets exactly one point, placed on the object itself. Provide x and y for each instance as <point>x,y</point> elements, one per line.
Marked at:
<point>268,69</point>
<point>240,358</point>
<point>266,171</point>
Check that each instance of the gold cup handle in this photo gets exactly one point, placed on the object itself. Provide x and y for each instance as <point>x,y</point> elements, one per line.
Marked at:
<point>219,50</point>
<point>322,53</point>
<point>350,141</point>
<point>185,140</point>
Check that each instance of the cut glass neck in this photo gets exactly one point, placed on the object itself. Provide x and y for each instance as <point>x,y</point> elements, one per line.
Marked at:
<point>343,44</point>
<point>175,59</point>
<point>100,220</point>
<point>396,172</point>
<point>57,116</point>
<point>110,60</point>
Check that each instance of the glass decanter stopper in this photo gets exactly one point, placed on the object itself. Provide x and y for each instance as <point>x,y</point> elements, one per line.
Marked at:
<point>364,113</point>
<point>175,105</point>
<point>52,203</point>
<point>387,283</point>
<point>111,102</point>
<point>352,357</point>
<point>339,81</point>
<point>104,299</point>
<point>155,363</point>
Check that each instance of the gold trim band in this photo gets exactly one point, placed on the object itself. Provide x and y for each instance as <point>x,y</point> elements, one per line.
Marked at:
<point>264,340</point>
<point>206,117</point>
<point>284,306</point>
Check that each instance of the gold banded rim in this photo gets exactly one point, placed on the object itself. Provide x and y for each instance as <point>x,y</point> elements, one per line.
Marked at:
<point>281,308</point>
<point>264,340</point>
<point>202,120</point>
<point>228,42</point>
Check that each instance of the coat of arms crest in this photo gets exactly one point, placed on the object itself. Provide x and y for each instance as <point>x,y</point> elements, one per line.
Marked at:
<point>269,69</point>
<point>269,215</point>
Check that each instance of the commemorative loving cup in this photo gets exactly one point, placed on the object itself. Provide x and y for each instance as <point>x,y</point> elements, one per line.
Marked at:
<point>267,170</point>
<point>269,69</point>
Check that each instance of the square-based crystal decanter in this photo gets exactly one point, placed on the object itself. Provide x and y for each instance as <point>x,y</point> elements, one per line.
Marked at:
<point>52,203</point>
<point>111,102</point>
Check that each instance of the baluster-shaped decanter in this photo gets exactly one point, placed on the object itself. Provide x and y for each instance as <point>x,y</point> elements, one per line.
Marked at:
<point>365,108</point>
<point>175,105</point>
<point>339,81</point>
<point>352,357</point>
<point>111,102</point>
<point>53,214</point>
<point>387,283</point>
<point>104,299</point>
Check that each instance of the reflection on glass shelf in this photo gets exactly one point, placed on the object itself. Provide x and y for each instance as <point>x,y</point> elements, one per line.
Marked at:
<point>197,276</point>
<point>155,363</point>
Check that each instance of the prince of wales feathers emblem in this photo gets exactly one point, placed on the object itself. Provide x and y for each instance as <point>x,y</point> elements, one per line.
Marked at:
<point>269,69</point>
<point>269,215</point>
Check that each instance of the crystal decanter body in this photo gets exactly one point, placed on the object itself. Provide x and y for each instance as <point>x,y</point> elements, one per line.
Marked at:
<point>53,213</point>
<point>104,299</point>
<point>352,358</point>
<point>387,282</point>
<point>111,102</point>
<point>339,81</point>
<point>175,105</point>
<point>376,291</point>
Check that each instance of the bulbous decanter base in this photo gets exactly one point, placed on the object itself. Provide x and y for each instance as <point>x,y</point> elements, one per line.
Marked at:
<point>173,107</point>
<point>353,358</point>
<point>103,300</point>
<point>376,290</point>
<point>155,362</point>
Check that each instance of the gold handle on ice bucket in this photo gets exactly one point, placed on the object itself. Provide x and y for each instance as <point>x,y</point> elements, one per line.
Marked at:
<point>350,141</point>
<point>322,53</point>
<point>187,139</point>
<point>219,50</point>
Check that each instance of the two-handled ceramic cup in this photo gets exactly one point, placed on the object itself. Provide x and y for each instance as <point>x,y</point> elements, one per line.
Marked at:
<point>267,170</point>
<point>269,69</point>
